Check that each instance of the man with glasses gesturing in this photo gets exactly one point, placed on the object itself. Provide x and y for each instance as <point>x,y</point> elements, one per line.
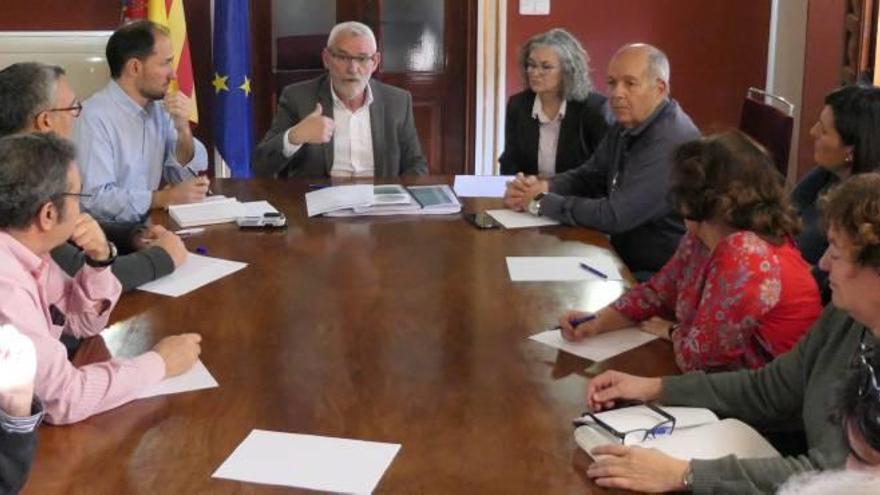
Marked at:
<point>343,124</point>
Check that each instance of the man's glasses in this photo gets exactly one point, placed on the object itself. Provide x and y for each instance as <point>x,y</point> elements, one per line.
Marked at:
<point>361,60</point>
<point>78,195</point>
<point>664,427</point>
<point>74,109</point>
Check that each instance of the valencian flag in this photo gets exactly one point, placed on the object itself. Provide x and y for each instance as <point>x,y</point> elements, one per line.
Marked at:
<point>233,108</point>
<point>169,13</point>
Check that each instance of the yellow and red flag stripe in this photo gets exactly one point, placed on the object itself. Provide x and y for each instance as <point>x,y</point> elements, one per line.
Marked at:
<point>169,13</point>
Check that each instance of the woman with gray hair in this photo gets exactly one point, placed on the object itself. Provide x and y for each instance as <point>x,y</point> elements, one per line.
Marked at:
<point>558,122</point>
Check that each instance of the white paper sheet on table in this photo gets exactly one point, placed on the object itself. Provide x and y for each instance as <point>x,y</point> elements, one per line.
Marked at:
<point>338,197</point>
<point>197,378</point>
<point>255,208</point>
<point>519,220</point>
<point>597,348</point>
<point>197,271</point>
<point>561,268</point>
<point>481,186</point>
<point>309,461</point>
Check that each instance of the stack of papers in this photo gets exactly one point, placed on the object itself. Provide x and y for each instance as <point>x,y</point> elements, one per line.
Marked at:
<point>481,186</point>
<point>519,219</point>
<point>217,209</point>
<point>338,198</point>
<point>367,200</point>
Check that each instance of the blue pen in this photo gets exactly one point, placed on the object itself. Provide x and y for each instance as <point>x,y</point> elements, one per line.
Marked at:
<point>315,187</point>
<point>593,271</point>
<point>577,321</point>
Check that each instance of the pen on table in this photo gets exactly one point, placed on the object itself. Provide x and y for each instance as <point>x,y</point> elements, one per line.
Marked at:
<point>577,321</point>
<point>189,232</point>
<point>315,187</point>
<point>593,270</point>
<point>210,192</point>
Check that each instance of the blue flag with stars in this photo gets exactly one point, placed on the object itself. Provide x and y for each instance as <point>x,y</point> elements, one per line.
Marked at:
<point>233,106</point>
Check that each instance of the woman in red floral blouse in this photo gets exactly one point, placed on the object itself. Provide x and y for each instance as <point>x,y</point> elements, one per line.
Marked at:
<point>737,287</point>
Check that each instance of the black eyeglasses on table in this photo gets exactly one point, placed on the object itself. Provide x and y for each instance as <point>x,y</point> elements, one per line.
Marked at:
<point>664,427</point>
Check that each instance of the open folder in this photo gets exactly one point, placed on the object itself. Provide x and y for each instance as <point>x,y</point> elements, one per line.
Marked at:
<point>387,199</point>
<point>698,433</point>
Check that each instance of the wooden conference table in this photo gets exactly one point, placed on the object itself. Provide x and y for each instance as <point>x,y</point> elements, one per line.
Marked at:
<point>395,329</point>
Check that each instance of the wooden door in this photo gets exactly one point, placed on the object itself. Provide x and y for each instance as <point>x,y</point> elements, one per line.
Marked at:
<point>428,48</point>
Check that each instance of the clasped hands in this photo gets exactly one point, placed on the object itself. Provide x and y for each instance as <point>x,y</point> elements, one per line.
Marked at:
<point>523,189</point>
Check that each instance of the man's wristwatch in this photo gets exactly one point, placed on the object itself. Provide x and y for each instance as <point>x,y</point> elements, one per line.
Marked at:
<point>535,204</point>
<point>102,263</point>
<point>688,479</point>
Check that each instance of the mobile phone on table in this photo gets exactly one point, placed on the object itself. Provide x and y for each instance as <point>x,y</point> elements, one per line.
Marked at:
<point>482,220</point>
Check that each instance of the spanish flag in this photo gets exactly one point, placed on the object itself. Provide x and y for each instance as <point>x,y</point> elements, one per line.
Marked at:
<point>169,13</point>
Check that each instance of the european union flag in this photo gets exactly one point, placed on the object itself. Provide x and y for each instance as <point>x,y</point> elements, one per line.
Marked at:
<point>233,109</point>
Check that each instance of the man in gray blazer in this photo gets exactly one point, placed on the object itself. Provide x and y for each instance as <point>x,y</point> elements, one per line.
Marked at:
<point>342,124</point>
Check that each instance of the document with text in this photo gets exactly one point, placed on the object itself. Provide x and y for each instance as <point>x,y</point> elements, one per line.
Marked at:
<point>197,271</point>
<point>338,198</point>
<point>326,464</point>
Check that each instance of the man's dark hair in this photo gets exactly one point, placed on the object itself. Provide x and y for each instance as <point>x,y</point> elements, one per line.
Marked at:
<point>26,89</point>
<point>33,171</point>
<point>133,40</point>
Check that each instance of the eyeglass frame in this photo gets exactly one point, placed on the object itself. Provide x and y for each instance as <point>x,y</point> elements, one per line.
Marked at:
<point>649,432</point>
<point>359,60</point>
<point>75,109</point>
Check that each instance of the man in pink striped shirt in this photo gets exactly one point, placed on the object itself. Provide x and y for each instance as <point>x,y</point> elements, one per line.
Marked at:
<point>39,210</point>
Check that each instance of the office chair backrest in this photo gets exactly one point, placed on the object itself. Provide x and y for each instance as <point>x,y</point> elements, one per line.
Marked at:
<point>769,119</point>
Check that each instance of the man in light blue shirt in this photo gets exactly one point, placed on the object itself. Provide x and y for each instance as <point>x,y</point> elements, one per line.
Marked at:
<point>135,132</point>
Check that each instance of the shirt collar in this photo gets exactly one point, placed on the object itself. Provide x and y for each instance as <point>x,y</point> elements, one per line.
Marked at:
<point>28,259</point>
<point>119,96</point>
<point>538,111</point>
<point>338,101</point>
<point>635,131</point>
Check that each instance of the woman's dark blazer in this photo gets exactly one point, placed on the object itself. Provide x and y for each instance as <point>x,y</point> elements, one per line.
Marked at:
<point>582,129</point>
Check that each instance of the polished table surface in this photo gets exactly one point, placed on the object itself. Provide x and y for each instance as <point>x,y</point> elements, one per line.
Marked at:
<point>394,329</point>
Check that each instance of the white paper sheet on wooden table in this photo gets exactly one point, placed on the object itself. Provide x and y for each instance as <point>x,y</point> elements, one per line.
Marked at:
<point>197,378</point>
<point>562,268</point>
<point>197,271</point>
<point>481,186</point>
<point>597,348</point>
<point>520,220</point>
<point>307,461</point>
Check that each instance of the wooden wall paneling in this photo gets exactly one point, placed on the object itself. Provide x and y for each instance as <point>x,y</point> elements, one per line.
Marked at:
<point>717,49</point>
<point>428,124</point>
<point>60,15</point>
